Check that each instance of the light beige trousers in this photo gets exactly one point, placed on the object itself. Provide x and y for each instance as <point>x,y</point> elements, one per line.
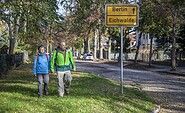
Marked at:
<point>64,81</point>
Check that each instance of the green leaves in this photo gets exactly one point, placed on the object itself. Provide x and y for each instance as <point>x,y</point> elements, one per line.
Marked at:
<point>33,16</point>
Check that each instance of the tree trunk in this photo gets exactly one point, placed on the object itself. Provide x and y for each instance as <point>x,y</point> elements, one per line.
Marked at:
<point>50,48</point>
<point>82,50</point>
<point>137,49</point>
<point>13,39</point>
<point>173,54</point>
<point>151,46</point>
<point>109,49</point>
<point>180,56</point>
<point>12,45</point>
<point>100,45</point>
<point>85,46</point>
<point>88,45</point>
<point>95,42</point>
<point>77,52</point>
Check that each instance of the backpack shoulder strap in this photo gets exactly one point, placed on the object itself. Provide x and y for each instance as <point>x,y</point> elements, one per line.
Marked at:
<point>47,56</point>
<point>68,51</point>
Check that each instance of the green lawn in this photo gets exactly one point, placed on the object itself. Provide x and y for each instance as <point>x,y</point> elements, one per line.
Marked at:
<point>89,94</point>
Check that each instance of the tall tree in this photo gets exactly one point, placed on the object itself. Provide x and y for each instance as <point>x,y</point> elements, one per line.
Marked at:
<point>172,11</point>
<point>157,16</point>
<point>153,25</point>
<point>32,15</point>
<point>87,16</point>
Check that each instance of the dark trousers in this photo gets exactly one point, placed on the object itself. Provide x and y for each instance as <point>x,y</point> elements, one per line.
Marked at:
<point>42,78</point>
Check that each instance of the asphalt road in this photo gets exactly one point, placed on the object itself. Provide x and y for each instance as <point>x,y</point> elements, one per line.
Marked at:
<point>167,90</point>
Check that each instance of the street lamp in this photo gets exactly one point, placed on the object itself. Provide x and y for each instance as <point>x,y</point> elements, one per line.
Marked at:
<point>114,42</point>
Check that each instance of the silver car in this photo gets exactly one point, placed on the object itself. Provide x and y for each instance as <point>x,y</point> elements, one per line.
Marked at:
<point>87,56</point>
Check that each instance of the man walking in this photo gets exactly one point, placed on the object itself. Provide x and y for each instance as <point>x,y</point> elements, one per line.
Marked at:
<point>62,58</point>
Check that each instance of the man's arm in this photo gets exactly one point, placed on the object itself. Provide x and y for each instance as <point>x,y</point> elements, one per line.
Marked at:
<point>52,63</point>
<point>72,61</point>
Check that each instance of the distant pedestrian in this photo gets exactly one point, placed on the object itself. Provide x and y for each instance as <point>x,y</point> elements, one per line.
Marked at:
<point>41,70</point>
<point>63,59</point>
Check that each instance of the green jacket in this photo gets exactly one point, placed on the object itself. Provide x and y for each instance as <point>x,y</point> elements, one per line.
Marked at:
<point>62,62</point>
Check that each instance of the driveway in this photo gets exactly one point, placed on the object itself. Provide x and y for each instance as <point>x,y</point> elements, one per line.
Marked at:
<point>167,90</point>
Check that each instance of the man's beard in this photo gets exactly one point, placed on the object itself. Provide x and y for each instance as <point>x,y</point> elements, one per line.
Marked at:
<point>63,49</point>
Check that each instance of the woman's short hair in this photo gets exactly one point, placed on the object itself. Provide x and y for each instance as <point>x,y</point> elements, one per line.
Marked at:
<point>41,46</point>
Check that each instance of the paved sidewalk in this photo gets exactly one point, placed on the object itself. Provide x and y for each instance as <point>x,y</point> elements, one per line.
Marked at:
<point>145,66</point>
<point>165,69</point>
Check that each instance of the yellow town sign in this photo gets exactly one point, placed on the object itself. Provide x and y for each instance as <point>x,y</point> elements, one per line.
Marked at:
<point>122,15</point>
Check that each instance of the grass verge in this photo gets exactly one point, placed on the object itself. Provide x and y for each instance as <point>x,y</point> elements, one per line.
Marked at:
<point>89,94</point>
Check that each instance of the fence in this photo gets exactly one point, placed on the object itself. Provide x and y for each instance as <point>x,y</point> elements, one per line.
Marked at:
<point>159,56</point>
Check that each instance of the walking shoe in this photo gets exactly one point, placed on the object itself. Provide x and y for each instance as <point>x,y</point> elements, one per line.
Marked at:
<point>40,96</point>
<point>46,93</point>
<point>66,91</point>
<point>60,96</point>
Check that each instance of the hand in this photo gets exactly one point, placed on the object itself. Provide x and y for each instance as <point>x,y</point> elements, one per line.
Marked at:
<point>35,75</point>
<point>53,74</point>
<point>72,71</point>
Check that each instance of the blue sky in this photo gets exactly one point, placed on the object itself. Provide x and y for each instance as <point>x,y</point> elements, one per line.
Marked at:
<point>61,9</point>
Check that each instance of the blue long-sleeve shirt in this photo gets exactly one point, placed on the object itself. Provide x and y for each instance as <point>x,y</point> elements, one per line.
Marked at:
<point>41,64</point>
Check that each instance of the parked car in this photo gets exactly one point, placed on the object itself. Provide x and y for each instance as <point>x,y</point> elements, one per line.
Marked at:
<point>87,56</point>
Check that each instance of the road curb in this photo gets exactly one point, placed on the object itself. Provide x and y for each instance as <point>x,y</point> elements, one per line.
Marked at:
<point>174,73</point>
